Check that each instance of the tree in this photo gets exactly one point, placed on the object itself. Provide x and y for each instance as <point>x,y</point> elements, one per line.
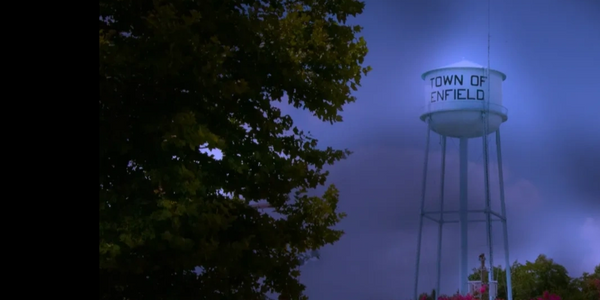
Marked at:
<point>178,78</point>
<point>588,285</point>
<point>532,279</point>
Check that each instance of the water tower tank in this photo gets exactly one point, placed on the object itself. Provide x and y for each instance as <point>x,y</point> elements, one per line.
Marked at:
<point>456,95</point>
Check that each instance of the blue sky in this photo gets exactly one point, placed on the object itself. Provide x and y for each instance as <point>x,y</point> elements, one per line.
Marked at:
<point>550,51</point>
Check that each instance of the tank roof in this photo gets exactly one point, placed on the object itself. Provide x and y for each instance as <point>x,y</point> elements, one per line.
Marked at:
<point>463,64</point>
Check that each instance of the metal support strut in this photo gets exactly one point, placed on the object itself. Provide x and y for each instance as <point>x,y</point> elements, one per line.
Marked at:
<point>464,217</point>
<point>488,208</point>
<point>422,215</point>
<point>441,221</point>
<point>509,295</point>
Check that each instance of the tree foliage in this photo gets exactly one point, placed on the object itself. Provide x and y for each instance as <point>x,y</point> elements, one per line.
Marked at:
<point>178,78</point>
<point>587,287</point>
<point>532,279</point>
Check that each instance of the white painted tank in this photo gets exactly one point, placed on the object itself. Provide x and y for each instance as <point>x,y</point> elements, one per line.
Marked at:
<point>457,94</point>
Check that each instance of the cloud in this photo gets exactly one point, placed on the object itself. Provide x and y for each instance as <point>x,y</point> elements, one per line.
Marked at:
<point>580,166</point>
<point>590,233</point>
<point>523,194</point>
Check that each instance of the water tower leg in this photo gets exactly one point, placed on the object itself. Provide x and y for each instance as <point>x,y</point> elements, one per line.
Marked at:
<point>509,295</point>
<point>488,205</point>
<point>463,218</point>
<point>439,250</point>
<point>424,186</point>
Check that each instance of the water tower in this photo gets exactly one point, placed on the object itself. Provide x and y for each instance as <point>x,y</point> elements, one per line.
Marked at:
<point>464,101</point>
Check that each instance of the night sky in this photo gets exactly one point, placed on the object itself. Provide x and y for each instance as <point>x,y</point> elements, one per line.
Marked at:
<point>550,51</point>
